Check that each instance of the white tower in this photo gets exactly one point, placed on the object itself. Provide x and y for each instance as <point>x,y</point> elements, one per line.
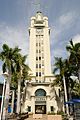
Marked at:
<point>39,98</point>
<point>39,54</point>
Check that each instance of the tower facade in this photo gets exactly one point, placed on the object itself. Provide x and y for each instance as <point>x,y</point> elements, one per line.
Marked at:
<point>39,98</point>
<point>39,56</point>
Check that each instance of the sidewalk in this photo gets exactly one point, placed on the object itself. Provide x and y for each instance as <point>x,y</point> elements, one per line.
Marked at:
<point>44,117</point>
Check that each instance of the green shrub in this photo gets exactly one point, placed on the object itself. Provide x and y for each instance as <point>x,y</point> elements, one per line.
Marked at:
<point>60,113</point>
<point>51,113</point>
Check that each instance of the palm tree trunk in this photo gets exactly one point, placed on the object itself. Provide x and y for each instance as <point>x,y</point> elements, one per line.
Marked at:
<point>12,101</point>
<point>6,100</point>
<point>18,97</point>
<point>2,103</point>
<point>66,98</point>
<point>7,90</point>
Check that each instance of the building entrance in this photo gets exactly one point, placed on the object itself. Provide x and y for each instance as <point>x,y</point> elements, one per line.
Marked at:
<point>40,101</point>
<point>40,109</point>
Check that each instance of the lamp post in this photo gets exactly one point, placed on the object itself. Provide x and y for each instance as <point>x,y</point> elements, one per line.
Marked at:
<point>6,94</point>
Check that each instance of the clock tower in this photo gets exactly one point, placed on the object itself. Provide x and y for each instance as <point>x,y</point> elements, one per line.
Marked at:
<point>38,96</point>
<point>39,54</point>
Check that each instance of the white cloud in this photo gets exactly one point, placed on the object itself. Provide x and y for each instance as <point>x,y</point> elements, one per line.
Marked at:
<point>62,25</point>
<point>14,36</point>
<point>76,39</point>
<point>67,18</point>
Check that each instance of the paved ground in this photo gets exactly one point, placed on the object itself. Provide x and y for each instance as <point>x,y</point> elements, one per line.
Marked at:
<point>31,118</point>
<point>44,117</point>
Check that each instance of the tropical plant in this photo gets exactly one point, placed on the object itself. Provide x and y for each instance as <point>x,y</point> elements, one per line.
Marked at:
<point>76,90</point>
<point>7,56</point>
<point>21,73</point>
<point>58,73</point>
<point>66,68</point>
<point>60,77</point>
<point>74,58</point>
<point>14,65</point>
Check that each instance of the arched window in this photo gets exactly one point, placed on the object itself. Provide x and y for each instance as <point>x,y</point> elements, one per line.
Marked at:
<point>40,92</point>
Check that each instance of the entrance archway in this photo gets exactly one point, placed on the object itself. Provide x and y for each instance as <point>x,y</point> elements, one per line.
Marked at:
<point>40,101</point>
<point>40,92</point>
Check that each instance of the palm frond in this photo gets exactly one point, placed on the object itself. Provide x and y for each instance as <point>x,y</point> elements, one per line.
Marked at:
<point>71,43</point>
<point>5,47</point>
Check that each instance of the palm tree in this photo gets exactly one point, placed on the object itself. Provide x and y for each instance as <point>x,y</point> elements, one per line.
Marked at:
<point>21,73</point>
<point>14,64</point>
<point>58,73</point>
<point>7,56</point>
<point>8,64</point>
<point>60,77</point>
<point>74,58</point>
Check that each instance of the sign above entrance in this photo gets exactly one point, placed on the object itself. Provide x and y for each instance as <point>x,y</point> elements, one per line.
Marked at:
<point>40,98</point>
<point>40,102</point>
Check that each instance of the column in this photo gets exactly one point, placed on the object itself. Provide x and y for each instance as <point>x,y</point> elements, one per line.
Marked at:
<point>33,104</point>
<point>47,104</point>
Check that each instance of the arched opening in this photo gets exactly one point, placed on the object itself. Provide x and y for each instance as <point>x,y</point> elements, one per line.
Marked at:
<point>40,101</point>
<point>40,92</point>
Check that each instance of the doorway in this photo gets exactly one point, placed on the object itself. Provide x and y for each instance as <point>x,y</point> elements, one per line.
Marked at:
<point>40,109</point>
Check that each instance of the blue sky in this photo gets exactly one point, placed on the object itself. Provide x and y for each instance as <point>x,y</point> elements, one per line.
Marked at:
<point>64,21</point>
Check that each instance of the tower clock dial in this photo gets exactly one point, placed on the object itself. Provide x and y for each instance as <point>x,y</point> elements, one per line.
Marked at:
<point>39,31</point>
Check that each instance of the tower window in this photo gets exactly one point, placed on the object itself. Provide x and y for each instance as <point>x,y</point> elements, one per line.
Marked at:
<point>39,58</point>
<point>36,65</point>
<point>37,81</point>
<point>36,58</point>
<point>36,73</point>
<point>42,63</point>
<point>39,51</point>
<point>36,51</point>
<point>36,44</point>
<point>39,65</point>
<point>39,73</point>
<point>29,108</point>
<point>52,109</point>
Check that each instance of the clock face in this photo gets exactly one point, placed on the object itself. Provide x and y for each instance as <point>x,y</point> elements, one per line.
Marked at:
<point>39,30</point>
